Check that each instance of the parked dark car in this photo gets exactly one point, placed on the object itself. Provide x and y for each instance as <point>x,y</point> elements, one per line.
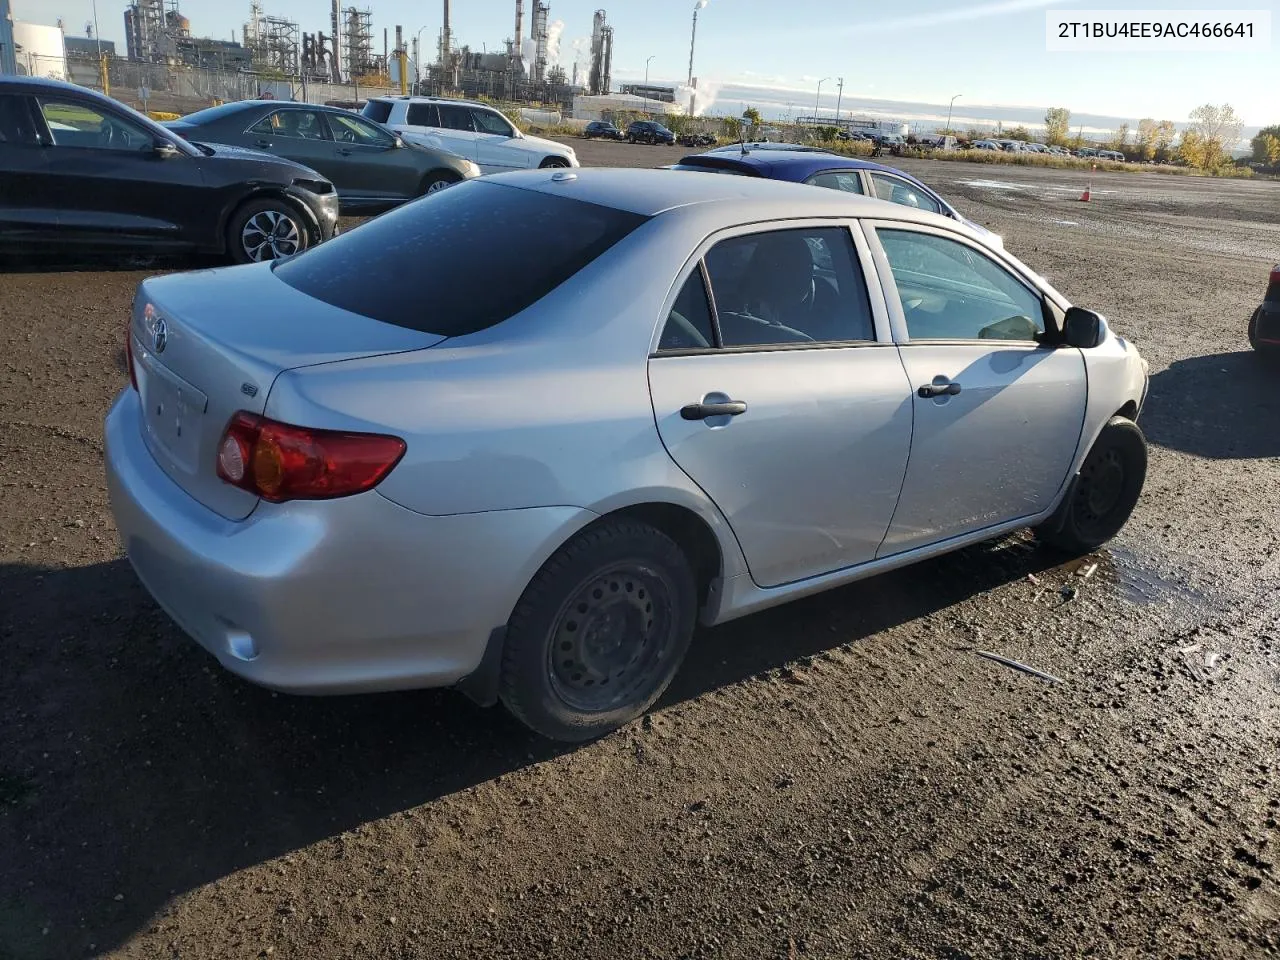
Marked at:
<point>602,129</point>
<point>87,171</point>
<point>816,167</point>
<point>1264,325</point>
<point>650,131</point>
<point>372,168</point>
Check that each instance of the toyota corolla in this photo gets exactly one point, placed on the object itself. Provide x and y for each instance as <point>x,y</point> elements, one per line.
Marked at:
<point>419,456</point>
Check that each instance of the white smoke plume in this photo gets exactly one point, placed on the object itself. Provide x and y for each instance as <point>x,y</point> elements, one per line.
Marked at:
<point>581,49</point>
<point>706,92</point>
<point>555,29</point>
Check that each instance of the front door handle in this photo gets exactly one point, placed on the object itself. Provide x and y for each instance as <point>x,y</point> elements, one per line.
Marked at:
<point>702,411</point>
<point>264,144</point>
<point>941,387</point>
<point>344,152</point>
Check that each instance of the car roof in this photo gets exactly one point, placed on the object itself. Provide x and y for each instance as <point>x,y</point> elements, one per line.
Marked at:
<point>44,83</point>
<point>789,164</point>
<point>652,192</point>
<point>413,98</point>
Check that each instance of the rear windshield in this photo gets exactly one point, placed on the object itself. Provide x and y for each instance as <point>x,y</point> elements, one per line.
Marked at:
<point>701,167</point>
<point>379,111</point>
<point>459,260</point>
<point>209,114</point>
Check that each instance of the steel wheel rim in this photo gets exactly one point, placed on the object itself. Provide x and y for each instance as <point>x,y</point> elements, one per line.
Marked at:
<point>270,234</point>
<point>612,638</point>
<point>437,185</point>
<point>1100,489</point>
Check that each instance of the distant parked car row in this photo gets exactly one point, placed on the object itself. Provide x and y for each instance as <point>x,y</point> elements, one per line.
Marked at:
<point>1024,146</point>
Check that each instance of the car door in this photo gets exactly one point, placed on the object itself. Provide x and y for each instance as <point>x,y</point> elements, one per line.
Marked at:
<point>300,135</point>
<point>454,130</point>
<point>27,207</point>
<point>374,168</point>
<point>998,415</point>
<point>498,145</point>
<point>109,184</point>
<point>777,389</point>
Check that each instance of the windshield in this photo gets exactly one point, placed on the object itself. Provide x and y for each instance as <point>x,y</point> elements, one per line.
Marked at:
<point>211,113</point>
<point>430,265</point>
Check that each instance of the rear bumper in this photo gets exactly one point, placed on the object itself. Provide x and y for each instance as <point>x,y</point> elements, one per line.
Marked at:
<point>339,596</point>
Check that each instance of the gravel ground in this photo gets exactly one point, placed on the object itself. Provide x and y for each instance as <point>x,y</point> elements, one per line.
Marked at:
<point>842,777</point>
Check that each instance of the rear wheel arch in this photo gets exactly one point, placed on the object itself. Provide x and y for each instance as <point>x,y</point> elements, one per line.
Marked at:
<point>1129,411</point>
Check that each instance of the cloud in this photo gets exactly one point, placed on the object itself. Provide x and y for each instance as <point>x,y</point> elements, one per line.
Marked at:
<point>962,14</point>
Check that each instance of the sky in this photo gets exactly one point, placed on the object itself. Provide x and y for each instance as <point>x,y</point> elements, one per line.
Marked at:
<point>774,52</point>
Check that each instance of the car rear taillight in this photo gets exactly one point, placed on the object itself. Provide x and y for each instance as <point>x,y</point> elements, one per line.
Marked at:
<point>128,354</point>
<point>280,462</point>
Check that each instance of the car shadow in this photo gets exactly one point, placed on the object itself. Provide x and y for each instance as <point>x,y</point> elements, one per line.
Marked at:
<point>1222,406</point>
<point>133,768</point>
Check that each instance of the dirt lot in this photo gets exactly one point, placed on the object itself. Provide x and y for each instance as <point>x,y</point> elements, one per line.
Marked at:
<point>842,777</point>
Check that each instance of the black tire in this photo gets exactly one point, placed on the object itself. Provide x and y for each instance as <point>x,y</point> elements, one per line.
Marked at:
<point>1105,493</point>
<point>1265,351</point>
<point>440,180</point>
<point>631,138</point>
<point>617,604</point>
<point>259,218</point>
<point>553,163</point>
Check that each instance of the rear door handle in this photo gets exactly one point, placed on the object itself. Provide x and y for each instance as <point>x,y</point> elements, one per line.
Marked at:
<point>343,151</point>
<point>264,144</point>
<point>941,387</point>
<point>701,411</point>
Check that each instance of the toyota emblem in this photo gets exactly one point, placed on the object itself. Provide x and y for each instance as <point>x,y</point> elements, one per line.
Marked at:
<point>159,335</point>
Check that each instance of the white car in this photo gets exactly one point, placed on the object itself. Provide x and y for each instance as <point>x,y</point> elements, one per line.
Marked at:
<point>472,130</point>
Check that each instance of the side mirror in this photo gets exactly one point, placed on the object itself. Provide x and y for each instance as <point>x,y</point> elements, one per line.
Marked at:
<point>1083,328</point>
<point>397,143</point>
<point>165,150</point>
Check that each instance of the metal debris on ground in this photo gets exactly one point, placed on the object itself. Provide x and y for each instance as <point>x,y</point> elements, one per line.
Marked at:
<point>1068,593</point>
<point>1033,579</point>
<point>1019,666</point>
<point>1089,571</point>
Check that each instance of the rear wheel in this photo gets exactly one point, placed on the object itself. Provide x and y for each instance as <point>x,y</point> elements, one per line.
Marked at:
<point>438,181</point>
<point>600,632</point>
<point>1267,351</point>
<point>1104,494</point>
<point>554,162</point>
<point>266,229</point>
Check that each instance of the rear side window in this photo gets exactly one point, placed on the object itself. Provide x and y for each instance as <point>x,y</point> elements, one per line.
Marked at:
<point>429,265</point>
<point>456,118</point>
<point>848,182</point>
<point>688,325</point>
<point>421,115</point>
<point>16,125</point>
<point>379,111</point>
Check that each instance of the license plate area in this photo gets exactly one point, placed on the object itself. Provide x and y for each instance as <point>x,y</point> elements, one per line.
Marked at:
<point>172,411</point>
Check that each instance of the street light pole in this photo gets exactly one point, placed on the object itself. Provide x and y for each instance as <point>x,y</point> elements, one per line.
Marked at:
<point>692,37</point>
<point>417,64</point>
<point>646,71</point>
<point>949,106</point>
<point>839,98</point>
<point>818,98</point>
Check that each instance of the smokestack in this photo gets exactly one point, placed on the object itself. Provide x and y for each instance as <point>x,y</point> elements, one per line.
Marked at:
<point>519,26</point>
<point>445,37</point>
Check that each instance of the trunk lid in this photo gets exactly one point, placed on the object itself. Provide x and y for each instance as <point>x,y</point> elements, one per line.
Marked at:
<point>209,343</point>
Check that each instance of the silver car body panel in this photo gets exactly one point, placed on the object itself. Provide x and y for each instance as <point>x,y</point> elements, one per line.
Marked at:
<point>520,435</point>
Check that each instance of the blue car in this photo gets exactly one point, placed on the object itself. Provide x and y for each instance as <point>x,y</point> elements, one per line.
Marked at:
<point>799,164</point>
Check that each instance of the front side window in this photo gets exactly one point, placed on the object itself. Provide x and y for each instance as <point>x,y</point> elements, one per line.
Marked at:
<point>950,291</point>
<point>293,125</point>
<point>455,118</point>
<point>73,124</point>
<point>350,129</point>
<point>486,121</point>
<point>897,190</point>
<point>16,126</point>
<point>848,181</point>
<point>789,286</point>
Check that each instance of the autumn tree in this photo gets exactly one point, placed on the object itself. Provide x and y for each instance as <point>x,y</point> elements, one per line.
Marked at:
<point>1192,150</point>
<point>1260,144</point>
<point>1057,125</point>
<point>1145,138</point>
<point>751,117</point>
<point>1218,130</point>
<point>1120,139</point>
<point>1165,133</point>
<point>1019,133</point>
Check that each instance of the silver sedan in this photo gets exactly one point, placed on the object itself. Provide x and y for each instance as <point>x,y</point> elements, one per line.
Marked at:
<point>523,435</point>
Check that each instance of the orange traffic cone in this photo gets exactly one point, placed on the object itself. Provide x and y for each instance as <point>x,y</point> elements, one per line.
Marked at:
<point>1084,197</point>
